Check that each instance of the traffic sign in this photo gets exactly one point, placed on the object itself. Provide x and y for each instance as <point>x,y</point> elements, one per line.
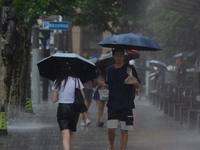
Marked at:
<point>54,25</point>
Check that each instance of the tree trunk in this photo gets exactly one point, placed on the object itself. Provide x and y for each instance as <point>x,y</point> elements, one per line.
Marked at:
<point>15,66</point>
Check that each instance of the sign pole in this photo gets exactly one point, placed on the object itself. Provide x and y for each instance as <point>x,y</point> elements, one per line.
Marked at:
<point>35,73</point>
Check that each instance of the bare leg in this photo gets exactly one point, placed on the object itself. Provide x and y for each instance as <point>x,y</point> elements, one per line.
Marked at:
<point>66,139</point>
<point>85,114</point>
<point>124,139</point>
<point>111,137</point>
<point>71,140</point>
<point>100,109</point>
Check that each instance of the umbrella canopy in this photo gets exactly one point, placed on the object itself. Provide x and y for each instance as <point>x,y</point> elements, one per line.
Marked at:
<point>93,60</point>
<point>156,62</point>
<point>83,68</point>
<point>130,41</point>
<point>106,59</point>
<point>194,54</point>
<point>181,54</point>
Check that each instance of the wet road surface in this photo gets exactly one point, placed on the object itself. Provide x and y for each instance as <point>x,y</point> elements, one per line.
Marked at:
<point>153,130</point>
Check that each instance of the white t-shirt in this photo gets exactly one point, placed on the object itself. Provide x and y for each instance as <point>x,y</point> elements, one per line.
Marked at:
<point>67,95</point>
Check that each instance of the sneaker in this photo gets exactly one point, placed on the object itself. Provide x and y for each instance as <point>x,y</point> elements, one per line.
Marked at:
<point>88,121</point>
<point>108,148</point>
<point>82,123</point>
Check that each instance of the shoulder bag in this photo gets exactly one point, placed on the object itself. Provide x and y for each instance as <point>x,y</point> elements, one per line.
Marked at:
<point>80,106</point>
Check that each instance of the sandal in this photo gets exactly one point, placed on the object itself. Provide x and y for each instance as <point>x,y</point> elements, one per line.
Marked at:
<point>100,124</point>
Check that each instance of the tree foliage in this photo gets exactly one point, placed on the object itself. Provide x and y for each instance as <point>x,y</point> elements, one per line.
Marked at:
<point>175,31</point>
<point>115,16</point>
<point>15,55</point>
<point>29,11</point>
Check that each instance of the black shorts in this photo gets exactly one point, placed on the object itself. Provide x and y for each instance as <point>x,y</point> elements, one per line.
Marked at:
<point>67,118</point>
<point>121,115</point>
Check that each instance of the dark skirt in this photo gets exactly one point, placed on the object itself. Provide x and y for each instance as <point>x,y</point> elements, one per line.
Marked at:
<point>67,117</point>
<point>88,94</point>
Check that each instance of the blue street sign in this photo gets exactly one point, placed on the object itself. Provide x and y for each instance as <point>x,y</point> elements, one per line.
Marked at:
<point>93,55</point>
<point>54,25</point>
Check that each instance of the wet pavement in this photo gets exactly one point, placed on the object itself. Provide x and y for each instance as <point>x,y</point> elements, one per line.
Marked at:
<point>153,130</point>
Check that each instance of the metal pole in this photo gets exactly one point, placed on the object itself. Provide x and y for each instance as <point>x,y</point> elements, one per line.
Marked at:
<point>35,80</point>
<point>147,77</point>
<point>46,53</point>
<point>64,37</point>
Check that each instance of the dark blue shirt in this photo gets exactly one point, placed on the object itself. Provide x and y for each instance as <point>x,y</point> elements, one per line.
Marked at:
<point>121,95</point>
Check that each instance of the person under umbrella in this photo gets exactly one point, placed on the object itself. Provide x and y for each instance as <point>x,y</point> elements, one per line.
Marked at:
<point>160,74</point>
<point>63,92</point>
<point>100,101</point>
<point>180,71</point>
<point>160,71</point>
<point>121,98</point>
<point>106,59</point>
<point>88,91</point>
<point>64,69</point>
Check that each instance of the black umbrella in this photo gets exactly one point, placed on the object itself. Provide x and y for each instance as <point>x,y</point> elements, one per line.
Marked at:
<point>130,41</point>
<point>194,54</point>
<point>83,68</point>
<point>106,59</point>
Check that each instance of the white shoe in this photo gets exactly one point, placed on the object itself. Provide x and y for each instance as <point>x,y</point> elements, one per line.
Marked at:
<point>82,123</point>
<point>88,121</point>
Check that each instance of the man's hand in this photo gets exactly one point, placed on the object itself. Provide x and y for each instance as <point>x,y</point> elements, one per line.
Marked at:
<point>128,71</point>
<point>101,83</point>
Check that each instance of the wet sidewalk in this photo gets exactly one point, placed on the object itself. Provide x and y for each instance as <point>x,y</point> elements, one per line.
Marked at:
<point>152,131</point>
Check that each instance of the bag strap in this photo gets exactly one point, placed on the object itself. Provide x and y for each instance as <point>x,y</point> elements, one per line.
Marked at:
<point>78,83</point>
<point>75,87</point>
<point>88,84</point>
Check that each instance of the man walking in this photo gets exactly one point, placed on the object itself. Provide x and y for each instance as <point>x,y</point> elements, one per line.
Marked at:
<point>121,98</point>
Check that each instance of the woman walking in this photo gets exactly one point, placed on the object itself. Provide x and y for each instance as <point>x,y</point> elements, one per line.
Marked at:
<point>63,92</point>
<point>101,102</point>
<point>88,91</point>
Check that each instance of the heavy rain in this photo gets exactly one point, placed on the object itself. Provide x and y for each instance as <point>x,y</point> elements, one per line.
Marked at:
<point>133,64</point>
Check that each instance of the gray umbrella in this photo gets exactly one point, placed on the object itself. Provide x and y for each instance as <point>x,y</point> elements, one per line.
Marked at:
<point>181,54</point>
<point>156,62</point>
<point>194,54</point>
<point>93,60</point>
<point>130,41</point>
